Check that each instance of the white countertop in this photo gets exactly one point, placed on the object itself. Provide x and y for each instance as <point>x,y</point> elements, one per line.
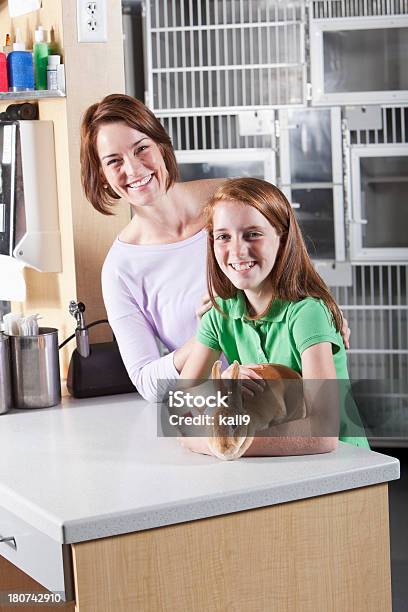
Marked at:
<point>93,468</point>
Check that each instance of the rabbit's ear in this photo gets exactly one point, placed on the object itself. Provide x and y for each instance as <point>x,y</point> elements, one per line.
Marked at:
<point>235,370</point>
<point>216,370</point>
<point>216,376</point>
<point>235,393</point>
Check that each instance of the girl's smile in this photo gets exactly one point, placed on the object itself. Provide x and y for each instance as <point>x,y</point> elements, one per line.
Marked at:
<point>132,163</point>
<point>245,247</point>
<point>243,266</point>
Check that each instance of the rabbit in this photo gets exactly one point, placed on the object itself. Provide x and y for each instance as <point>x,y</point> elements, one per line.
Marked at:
<point>269,408</point>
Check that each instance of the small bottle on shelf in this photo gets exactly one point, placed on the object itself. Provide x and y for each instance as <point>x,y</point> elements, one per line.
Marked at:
<point>52,72</point>
<point>3,72</point>
<point>20,67</point>
<point>40,55</point>
<point>8,47</point>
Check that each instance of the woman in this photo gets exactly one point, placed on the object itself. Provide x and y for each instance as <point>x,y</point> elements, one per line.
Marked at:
<point>153,278</point>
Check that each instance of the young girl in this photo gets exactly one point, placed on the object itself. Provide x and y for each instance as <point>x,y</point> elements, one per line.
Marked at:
<point>272,306</point>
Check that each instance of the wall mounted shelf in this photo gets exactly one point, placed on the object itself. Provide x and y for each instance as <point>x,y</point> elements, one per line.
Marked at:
<point>31,95</point>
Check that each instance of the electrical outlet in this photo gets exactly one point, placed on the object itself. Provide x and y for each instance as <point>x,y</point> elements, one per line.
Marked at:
<point>91,21</point>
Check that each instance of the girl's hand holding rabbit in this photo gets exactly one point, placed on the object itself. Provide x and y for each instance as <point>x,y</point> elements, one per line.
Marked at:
<point>252,382</point>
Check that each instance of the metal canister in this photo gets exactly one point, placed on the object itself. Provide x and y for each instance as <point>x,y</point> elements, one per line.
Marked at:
<point>5,377</point>
<point>35,369</point>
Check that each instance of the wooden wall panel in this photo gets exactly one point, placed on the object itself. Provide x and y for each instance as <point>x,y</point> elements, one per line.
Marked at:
<point>92,71</point>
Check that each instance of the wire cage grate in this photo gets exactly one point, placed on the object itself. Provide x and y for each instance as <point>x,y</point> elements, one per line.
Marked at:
<point>195,133</point>
<point>323,9</point>
<point>394,129</point>
<point>223,54</point>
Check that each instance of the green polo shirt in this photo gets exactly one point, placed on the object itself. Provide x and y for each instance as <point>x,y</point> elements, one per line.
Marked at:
<point>281,336</point>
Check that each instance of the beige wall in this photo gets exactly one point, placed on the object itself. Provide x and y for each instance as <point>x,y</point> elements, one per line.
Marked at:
<point>92,71</point>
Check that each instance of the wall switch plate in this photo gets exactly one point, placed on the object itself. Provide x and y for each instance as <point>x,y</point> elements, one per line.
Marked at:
<point>91,21</point>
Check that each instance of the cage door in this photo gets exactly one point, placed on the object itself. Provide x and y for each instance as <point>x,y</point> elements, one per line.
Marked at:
<point>379,182</point>
<point>258,163</point>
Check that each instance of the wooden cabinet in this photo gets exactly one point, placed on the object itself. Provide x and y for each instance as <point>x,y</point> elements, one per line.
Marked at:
<point>322,553</point>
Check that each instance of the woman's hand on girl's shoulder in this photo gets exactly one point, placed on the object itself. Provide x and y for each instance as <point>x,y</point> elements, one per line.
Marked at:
<point>204,306</point>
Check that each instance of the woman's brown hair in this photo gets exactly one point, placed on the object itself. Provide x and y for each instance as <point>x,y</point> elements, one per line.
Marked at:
<point>125,109</point>
<point>293,275</point>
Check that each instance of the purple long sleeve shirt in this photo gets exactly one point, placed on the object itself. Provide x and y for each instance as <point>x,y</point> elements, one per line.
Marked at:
<point>151,293</point>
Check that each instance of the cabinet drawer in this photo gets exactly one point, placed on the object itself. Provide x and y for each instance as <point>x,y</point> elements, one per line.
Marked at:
<point>34,553</point>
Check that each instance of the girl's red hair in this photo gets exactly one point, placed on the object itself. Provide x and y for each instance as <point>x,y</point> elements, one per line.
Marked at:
<point>293,276</point>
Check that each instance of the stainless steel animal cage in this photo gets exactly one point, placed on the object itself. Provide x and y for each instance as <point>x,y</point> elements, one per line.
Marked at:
<point>208,62</point>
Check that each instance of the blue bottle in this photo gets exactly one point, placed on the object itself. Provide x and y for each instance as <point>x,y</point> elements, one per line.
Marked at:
<point>20,71</point>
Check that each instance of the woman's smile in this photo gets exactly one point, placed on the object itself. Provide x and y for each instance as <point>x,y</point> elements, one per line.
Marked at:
<point>140,183</point>
<point>132,163</point>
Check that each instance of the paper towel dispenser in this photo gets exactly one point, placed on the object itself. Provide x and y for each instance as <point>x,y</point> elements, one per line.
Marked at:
<point>29,225</point>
